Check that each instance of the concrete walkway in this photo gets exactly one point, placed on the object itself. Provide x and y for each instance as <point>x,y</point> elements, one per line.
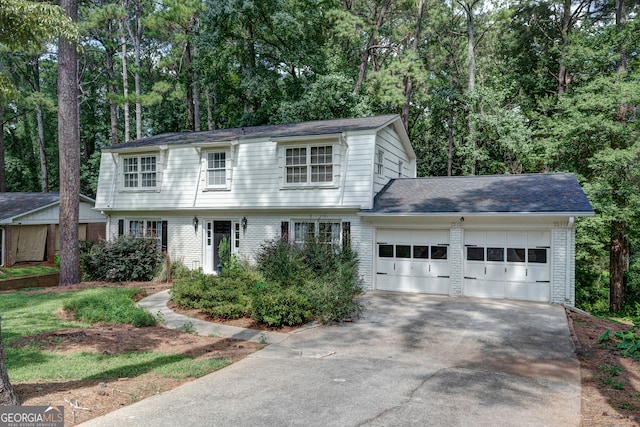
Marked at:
<point>157,305</point>
<point>413,360</point>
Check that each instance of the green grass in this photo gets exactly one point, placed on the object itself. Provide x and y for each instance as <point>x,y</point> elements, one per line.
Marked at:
<point>31,270</point>
<point>26,314</point>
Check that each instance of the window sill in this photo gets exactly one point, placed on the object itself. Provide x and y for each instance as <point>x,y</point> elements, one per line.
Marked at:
<point>214,189</point>
<point>140,190</point>
<point>310,187</point>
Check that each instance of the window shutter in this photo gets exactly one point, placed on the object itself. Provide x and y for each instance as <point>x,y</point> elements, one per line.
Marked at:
<point>164,236</point>
<point>346,234</point>
<point>284,230</point>
<point>120,227</point>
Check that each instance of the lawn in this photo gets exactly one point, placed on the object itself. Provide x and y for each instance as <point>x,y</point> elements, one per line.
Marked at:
<point>26,316</point>
<point>31,270</point>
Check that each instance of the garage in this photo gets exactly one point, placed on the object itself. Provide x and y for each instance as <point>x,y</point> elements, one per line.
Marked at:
<point>498,236</point>
<point>413,260</point>
<point>507,264</point>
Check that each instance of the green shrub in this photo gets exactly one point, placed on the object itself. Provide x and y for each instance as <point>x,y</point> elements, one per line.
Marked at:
<point>276,305</point>
<point>125,259</point>
<point>110,306</point>
<point>280,261</point>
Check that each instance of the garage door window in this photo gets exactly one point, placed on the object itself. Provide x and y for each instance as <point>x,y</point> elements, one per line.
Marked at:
<point>475,254</point>
<point>421,252</point>
<point>538,256</point>
<point>403,251</point>
<point>385,251</point>
<point>439,252</point>
<point>495,254</point>
<point>515,254</point>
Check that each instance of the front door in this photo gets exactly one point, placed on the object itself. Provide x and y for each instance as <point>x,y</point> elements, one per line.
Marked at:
<point>215,231</point>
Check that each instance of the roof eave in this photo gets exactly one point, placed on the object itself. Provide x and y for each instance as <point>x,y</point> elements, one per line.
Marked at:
<point>472,214</point>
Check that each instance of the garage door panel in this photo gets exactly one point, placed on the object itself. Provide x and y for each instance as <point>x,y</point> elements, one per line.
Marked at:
<point>408,266</point>
<point>508,264</point>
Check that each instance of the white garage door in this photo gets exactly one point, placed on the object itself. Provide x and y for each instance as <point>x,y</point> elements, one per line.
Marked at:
<point>508,264</point>
<point>413,260</point>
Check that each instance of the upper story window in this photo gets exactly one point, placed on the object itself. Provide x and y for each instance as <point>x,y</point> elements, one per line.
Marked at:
<point>309,165</point>
<point>217,169</point>
<point>140,172</point>
<point>379,166</point>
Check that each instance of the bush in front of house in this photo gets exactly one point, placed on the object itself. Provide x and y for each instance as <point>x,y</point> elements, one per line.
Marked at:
<point>124,259</point>
<point>290,285</point>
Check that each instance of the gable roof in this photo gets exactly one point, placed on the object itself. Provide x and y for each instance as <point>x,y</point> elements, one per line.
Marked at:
<point>14,205</point>
<point>318,127</point>
<point>542,194</point>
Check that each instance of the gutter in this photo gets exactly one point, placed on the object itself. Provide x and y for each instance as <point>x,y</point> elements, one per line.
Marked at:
<point>568,257</point>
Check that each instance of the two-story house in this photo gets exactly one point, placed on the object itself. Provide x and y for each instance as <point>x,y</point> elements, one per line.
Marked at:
<point>502,236</point>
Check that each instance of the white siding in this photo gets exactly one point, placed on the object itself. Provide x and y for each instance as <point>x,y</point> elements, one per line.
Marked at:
<point>394,153</point>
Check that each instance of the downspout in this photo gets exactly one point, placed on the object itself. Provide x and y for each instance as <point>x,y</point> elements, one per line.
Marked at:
<point>569,254</point>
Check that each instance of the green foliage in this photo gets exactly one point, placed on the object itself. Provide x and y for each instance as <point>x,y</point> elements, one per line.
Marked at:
<point>110,306</point>
<point>291,286</point>
<point>276,305</point>
<point>224,250</point>
<point>124,259</point>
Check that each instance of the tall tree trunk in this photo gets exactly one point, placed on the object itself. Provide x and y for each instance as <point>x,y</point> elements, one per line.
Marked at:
<point>408,81</point>
<point>189,84</point>
<point>563,76</point>
<point>621,22</point>
<point>8,396</point>
<point>471,51</point>
<point>44,176</point>
<point>196,94</point>
<point>3,170</point>
<point>111,91</point>
<point>69,147</point>
<point>137,42</point>
<point>617,252</point>
<point>210,122</point>
<point>367,51</point>
<point>125,79</point>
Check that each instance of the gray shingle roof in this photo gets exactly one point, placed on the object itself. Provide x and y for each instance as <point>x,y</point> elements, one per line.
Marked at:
<point>534,193</point>
<point>13,204</point>
<point>320,127</point>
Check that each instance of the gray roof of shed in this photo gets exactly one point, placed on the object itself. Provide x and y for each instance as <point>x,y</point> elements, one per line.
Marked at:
<point>17,204</point>
<point>318,127</point>
<point>533,194</point>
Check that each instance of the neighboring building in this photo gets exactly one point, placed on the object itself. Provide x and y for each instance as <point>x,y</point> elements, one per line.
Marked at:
<point>347,179</point>
<point>29,226</point>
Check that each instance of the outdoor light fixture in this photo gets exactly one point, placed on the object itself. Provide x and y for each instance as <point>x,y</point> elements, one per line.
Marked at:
<point>244,224</point>
<point>195,223</point>
<point>461,219</point>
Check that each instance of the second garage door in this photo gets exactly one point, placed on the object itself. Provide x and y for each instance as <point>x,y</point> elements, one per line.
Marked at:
<point>413,260</point>
<point>507,264</point>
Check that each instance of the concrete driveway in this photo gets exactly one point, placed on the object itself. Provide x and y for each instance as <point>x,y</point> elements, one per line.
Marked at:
<point>413,360</point>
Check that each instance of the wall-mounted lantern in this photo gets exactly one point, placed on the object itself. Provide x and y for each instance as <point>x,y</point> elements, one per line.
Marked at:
<point>244,224</point>
<point>195,223</point>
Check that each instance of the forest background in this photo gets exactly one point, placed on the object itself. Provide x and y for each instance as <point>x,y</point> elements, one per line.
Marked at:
<point>483,87</point>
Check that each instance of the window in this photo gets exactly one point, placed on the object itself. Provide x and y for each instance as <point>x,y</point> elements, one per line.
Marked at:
<point>403,251</point>
<point>385,251</point>
<point>475,254</point>
<point>379,161</point>
<point>439,252</point>
<point>147,228</point>
<point>538,256</point>
<point>515,254</point>
<point>495,254</point>
<point>217,169</point>
<point>140,172</point>
<point>313,164</point>
<point>327,232</point>
<point>421,252</point>
<point>236,232</point>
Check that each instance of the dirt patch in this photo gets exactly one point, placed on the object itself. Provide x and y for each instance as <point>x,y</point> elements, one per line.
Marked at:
<point>610,382</point>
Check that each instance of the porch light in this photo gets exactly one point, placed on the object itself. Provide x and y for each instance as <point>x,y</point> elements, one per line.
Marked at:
<point>195,223</point>
<point>244,224</point>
